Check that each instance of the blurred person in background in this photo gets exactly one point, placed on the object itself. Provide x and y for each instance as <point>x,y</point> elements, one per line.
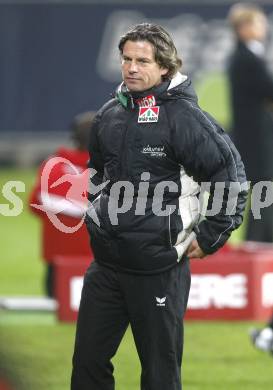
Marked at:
<point>152,135</point>
<point>71,161</point>
<point>251,87</point>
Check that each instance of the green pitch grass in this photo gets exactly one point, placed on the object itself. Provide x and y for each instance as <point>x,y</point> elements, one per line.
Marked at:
<point>20,262</point>
<point>213,96</point>
<point>217,356</point>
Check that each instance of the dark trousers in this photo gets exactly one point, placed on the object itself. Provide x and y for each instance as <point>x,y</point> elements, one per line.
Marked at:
<point>49,280</point>
<point>260,230</point>
<point>154,306</point>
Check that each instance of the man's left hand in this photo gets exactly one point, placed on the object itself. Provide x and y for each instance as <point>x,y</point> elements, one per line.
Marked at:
<point>194,251</point>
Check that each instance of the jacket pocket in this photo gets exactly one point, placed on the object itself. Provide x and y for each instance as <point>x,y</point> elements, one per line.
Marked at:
<point>181,222</point>
<point>103,245</point>
<point>174,226</point>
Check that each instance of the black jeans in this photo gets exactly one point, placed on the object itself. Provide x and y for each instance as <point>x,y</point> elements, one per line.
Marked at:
<point>260,230</point>
<point>154,306</point>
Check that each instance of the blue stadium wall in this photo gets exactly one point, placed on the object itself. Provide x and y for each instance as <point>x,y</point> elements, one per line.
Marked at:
<point>61,59</point>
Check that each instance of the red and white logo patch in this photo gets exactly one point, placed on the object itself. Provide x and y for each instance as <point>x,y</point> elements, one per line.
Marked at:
<point>148,114</point>
<point>147,101</point>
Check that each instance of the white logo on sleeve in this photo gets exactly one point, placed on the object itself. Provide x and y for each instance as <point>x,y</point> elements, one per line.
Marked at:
<point>160,301</point>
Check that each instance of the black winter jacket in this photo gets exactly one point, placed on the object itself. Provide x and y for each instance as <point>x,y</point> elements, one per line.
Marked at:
<point>151,166</point>
<point>251,102</point>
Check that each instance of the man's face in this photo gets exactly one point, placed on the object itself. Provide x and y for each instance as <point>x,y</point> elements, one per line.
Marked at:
<point>139,69</point>
<point>260,27</point>
<point>255,29</point>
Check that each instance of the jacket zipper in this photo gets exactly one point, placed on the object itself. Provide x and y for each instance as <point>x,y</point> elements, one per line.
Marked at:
<point>169,230</point>
<point>123,155</point>
<point>124,163</point>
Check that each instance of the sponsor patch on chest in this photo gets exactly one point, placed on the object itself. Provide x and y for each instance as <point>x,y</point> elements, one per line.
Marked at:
<point>148,114</point>
<point>154,151</point>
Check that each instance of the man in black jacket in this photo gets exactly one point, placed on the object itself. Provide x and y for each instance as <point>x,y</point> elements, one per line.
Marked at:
<point>151,148</point>
<point>252,105</point>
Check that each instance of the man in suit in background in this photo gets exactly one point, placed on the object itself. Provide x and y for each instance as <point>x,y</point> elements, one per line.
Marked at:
<point>251,96</point>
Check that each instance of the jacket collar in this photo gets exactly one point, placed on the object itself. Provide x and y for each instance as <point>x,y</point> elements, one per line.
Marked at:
<point>128,99</point>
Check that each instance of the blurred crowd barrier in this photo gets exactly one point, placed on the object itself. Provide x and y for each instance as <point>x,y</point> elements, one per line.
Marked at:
<point>234,284</point>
